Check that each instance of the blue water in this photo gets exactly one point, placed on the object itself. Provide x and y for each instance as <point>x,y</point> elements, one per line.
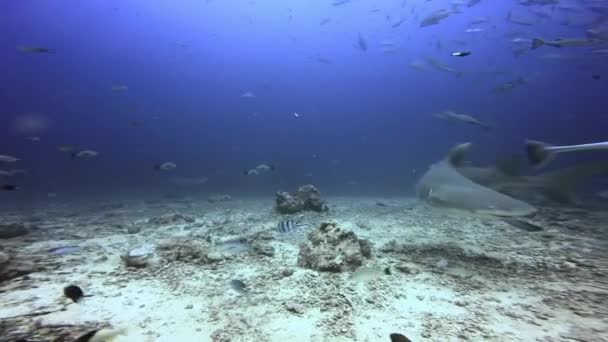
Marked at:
<point>365,122</point>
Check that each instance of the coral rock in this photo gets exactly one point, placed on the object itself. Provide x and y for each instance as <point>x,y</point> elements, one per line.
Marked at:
<point>142,256</point>
<point>308,197</point>
<point>332,249</point>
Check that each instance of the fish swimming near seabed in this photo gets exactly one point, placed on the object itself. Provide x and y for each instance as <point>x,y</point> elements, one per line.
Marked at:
<point>363,274</point>
<point>62,250</point>
<point>540,154</point>
<point>288,226</point>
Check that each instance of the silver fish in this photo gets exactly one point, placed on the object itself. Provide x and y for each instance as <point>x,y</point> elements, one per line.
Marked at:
<point>8,159</point>
<point>166,166</point>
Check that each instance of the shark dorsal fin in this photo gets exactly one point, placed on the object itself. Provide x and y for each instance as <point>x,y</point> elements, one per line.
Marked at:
<point>456,156</point>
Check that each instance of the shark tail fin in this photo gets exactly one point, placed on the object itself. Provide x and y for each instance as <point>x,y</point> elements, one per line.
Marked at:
<point>539,153</point>
<point>457,154</point>
<point>559,185</point>
<point>536,43</point>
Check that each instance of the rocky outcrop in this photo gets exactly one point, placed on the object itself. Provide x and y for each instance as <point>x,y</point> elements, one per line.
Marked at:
<point>329,248</point>
<point>308,197</point>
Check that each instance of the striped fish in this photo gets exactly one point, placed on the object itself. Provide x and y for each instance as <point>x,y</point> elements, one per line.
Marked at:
<point>289,226</point>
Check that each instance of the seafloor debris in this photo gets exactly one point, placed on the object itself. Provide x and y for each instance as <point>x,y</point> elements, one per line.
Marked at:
<point>174,218</point>
<point>308,197</point>
<point>24,328</point>
<point>12,267</point>
<point>332,249</point>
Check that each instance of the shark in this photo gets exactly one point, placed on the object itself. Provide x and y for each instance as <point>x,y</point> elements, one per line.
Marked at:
<point>557,186</point>
<point>444,186</point>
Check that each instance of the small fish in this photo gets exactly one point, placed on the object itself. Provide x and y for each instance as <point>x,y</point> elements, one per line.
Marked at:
<point>480,20</point>
<point>248,95</point>
<point>340,2</point>
<point>67,148</point>
<point>541,154</point>
<point>596,33</point>
<point>451,116</point>
<point>474,30</point>
<point>383,204</point>
<point>570,42</point>
<point>323,60</point>
<point>265,168</point>
<point>288,226</point>
<point>295,114</point>
<point>519,20</point>
<point>4,159</point>
<point>325,21</point>
<point>596,77</point>
<point>258,170</point>
<point>369,273</point>
<point>437,65</point>
<point>84,154</point>
<point>538,2</point>
<point>508,86</point>
<point>398,23</point>
<point>251,172</point>
<point>33,49</point>
<point>395,337</point>
<point>9,187</point>
<point>461,53</point>
<point>361,42</point>
<point>14,172</point>
<point>119,87</point>
<point>4,173</point>
<point>64,250</point>
<point>472,3</point>
<point>239,286</point>
<point>33,139</point>
<point>435,17</point>
<point>166,166</point>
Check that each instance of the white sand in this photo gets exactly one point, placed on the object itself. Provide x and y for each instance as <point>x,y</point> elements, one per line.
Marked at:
<point>189,302</point>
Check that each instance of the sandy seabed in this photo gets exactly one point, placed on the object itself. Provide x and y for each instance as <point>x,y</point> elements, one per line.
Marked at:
<point>454,276</point>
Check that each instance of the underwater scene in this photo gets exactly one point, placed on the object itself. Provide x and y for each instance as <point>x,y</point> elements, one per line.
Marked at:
<point>304,170</point>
